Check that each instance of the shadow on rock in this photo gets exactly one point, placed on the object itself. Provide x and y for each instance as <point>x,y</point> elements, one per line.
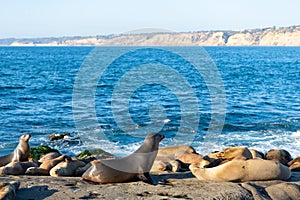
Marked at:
<point>33,192</point>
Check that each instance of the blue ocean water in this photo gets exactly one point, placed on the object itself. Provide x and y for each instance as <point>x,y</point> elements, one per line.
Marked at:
<point>261,85</point>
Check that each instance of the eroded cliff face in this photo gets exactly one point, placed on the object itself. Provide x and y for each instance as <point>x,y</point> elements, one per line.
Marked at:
<point>288,36</point>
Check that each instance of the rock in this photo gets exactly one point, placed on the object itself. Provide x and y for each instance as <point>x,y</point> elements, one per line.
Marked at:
<point>39,151</point>
<point>258,192</point>
<point>84,154</point>
<point>8,190</point>
<point>98,153</point>
<point>284,191</point>
<point>58,136</point>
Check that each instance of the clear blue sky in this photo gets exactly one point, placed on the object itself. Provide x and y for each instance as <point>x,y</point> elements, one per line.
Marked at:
<point>41,18</point>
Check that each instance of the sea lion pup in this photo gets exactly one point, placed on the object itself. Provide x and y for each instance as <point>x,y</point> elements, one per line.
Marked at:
<point>279,155</point>
<point>164,163</point>
<point>229,154</point>
<point>80,170</point>
<point>134,167</point>
<point>191,158</point>
<point>66,167</point>
<point>295,164</point>
<point>17,168</point>
<point>160,166</point>
<point>243,170</point>
<point>171,150</point>
<point>46,166</point>
<point>20,154</point>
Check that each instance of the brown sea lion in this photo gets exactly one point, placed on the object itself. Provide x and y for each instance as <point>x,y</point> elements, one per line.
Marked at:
<point>46,166</point>
<point>134,167</point>
<point>171,150</point>
<point>229,154</point>
<point>17,168</point>
<point>160,166</point>
<point>49,156</point>
<point>164,163</point>
<point>256,154</point>
<point>66,167</point>
<point>295,164</point>
<point>279,155</point>
<point>192,158</point>
<point>80,170</point>
<point>20,154</point>
<point>8,190</point>
<point>243,170</point>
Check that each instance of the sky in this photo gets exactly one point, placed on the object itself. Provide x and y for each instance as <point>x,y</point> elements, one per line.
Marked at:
<point>56,18</point>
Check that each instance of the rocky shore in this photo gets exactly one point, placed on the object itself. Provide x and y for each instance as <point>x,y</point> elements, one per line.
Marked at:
<point>182,185</point>
<point>56,176</point>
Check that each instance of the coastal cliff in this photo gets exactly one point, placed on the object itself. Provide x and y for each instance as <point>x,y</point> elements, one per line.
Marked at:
<point>284,36</point>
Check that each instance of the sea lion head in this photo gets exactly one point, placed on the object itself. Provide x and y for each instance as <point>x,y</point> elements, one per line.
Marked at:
<point>279,155</point>
<point>25,137</point>
<point>152,142</point>
<point>232,153</point>
<point>155,137</point>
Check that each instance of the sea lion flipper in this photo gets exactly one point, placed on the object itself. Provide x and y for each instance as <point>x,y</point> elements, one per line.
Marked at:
<point>145,177</point>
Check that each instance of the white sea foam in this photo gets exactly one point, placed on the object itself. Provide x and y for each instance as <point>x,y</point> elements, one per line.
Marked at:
<point>289,141</point>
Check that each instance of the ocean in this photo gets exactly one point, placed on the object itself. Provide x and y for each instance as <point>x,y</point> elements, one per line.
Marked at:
<point>111,97</point>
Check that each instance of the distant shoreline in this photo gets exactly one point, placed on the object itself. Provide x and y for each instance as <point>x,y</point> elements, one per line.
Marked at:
<point>270,36</point>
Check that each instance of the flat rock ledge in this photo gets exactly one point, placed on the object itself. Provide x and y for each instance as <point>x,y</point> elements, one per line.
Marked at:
<point>171,186</point>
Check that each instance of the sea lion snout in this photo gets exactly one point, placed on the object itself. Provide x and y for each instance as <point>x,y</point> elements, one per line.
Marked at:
<point>155,135</point>
<point>161,137</point>
<point>25,137</point>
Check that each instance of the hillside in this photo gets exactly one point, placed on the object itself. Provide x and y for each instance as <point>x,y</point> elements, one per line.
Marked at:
<point>283,36</point>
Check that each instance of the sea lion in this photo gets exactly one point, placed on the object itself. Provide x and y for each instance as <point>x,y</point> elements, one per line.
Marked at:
<point>67,167</point>
<point>20,154</point>
<point>160,166</point>
<point>295,164</point>
<point>164,163</point>
<point>80,170</point>
<point>279,155</point>
<point>243,170</point>
<point>17,168</point>
<point>134,167</point>
<point>8,189</point>
<point>256,154</point>
<point>49,156</point>
<point>192,158</point>
<point>171,150</point>
<point>229,154</point>
<point>46,166</point>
